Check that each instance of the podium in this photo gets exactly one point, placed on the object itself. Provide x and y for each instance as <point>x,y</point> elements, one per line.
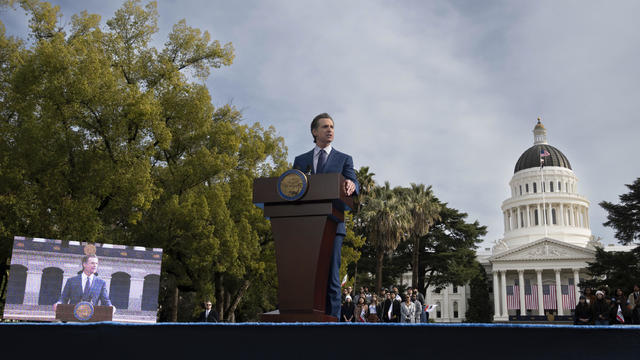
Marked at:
<point>64,312</point>
<point>303,231</point>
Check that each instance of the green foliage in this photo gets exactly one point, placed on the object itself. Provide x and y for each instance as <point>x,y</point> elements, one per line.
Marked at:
<point>478,306</point>
<point>625,217</point>
<point>105,138</point>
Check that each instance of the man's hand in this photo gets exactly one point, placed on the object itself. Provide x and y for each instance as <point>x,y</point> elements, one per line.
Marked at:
<point>349,187</point>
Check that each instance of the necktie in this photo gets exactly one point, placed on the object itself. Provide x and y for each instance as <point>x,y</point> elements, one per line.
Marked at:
<point>322,159</point>
<point>87,286</point>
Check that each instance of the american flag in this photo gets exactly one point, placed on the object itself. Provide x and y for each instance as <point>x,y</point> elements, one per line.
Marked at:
<point>544,152</point>
<point>568,297</point>
<point>549,299</point>
<point>531,297</point>
<point>513,297</point>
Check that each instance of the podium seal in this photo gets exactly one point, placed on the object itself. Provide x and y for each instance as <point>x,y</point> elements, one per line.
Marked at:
<point>83,310</point>
<point>292,185</point>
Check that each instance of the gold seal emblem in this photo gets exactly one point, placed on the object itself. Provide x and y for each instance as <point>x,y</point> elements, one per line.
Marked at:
<point>83,311</point>
<point>292,185</point>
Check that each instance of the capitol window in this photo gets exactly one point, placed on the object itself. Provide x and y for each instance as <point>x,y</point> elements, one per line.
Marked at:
<point>535,189</point>
<point>526,187</point>
<point>550,186</point>
<point>520,190</point>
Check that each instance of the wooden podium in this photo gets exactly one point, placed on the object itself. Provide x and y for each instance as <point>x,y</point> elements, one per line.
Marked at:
<point>303,231</point>
<point>64,312</point>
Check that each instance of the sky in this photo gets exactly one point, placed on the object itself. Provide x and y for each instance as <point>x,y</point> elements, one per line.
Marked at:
<point>444,93</point>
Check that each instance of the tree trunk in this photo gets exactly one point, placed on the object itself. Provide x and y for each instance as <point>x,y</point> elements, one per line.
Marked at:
<point>415,262</point>
<point>219,295</point>
<point>379,270</point>
<point>232,309</point>
<point>176,301</point>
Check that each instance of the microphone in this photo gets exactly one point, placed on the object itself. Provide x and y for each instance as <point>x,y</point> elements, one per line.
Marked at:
<point>308,169</point>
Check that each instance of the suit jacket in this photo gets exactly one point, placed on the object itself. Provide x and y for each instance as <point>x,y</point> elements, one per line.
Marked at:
<point>72,292</point>
<point>395,312</point>
<point>213,316</point>
<point>337,162</point>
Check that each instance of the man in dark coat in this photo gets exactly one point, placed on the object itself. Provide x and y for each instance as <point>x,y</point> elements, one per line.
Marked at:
<point>391,308</point>
<point>209,314</point>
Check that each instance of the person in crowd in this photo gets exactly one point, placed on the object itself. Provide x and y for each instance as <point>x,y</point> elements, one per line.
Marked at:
<point>634,304</point>
<point>600,309</point>
<point>367,295</point>
<point>397,293</point>
<point>583,314</point>
<point>374,309</point>
<point>589,296</point>
<point>407,310</point>
<point>419,308</point>
<point>347,310</point>
<point>391,309</point>
<point>361,310</point>
<point>356,299</point>
<point>209,314</point>
<point>619,302</point>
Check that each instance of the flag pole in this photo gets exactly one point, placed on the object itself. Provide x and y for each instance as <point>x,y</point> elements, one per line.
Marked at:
<point>544,206</point>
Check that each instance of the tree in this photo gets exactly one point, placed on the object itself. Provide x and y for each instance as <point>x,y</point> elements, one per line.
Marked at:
<point>424,211</point>
<point>625,217</point>
<point>387,221</point>
<point>104,138</point>
<point>479,308</point>
<point>447,255</point>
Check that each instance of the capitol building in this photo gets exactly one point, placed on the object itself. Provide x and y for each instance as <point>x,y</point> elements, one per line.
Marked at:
<point>534,269</point>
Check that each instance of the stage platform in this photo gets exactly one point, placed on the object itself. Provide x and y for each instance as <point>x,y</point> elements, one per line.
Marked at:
<point>319,341</point>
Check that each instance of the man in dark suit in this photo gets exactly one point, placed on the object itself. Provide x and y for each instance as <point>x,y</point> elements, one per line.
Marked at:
<point>85,286</point>
<point>391,308</point>
<point>323,159</point>
<point>209,314</point>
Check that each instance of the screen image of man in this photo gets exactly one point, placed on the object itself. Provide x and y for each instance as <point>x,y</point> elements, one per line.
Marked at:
<point>85,286</point>
<point>323,159</point>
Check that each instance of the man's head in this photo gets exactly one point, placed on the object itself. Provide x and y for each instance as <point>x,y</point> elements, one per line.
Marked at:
<point>322,130</point>
<point>207,305</point>
<point>89,264</point>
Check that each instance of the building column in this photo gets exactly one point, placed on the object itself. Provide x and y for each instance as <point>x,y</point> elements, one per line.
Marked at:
<point>496,296</point>
<point>518,217</point>
<point>559,292</point>
<point>445,305</point>
<point>503,291</point>
<point>576,280</point>
<point>561,220</point>
<point>504,215</point>
<point>540,294</point>
<point>523,307</point>
<point>528,216</point>
<point>32,287</point>
<point>135,294</point>
<point>539,216</point>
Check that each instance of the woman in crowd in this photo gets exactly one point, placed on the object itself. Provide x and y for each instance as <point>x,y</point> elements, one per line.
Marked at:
<point>407,310</point>
<point>347,310</point>
<point>619,302</point>
<point>361,310</point>
<point>374,309</point>
<point>583,314</point>
<point>600,309</point>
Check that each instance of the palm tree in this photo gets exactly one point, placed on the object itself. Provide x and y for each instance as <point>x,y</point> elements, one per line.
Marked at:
<point>387,220</point>
<point>424,210</point>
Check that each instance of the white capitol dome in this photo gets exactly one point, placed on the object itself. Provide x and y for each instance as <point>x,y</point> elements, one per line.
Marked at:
<point>552,190</point>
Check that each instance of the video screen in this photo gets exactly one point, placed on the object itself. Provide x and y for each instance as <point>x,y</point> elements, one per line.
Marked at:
<point>45,273</point>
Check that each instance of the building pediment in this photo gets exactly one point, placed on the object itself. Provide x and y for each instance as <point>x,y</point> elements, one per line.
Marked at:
<point>545,249</point>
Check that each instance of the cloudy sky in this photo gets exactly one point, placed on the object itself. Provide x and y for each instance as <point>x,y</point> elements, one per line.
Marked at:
<point>444,93</point>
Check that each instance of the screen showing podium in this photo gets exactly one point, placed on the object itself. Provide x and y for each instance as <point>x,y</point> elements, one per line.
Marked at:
<point>127,276</point>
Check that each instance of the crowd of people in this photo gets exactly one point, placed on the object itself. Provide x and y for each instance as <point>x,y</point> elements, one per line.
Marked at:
<point>388,306</point>
<point>603,308</point>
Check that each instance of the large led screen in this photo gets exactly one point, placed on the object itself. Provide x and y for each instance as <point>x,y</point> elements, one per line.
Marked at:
<point>46,272</point>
